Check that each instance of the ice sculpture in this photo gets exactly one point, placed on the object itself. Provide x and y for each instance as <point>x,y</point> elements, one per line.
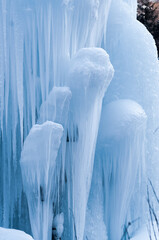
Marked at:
<point>121,150</point>
<point>38,164</point>
<point>90,75</point>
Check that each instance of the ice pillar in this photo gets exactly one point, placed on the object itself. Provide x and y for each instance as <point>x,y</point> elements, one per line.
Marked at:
<point>38,164</point>
<point>90,75</point>
<point>121,149</point>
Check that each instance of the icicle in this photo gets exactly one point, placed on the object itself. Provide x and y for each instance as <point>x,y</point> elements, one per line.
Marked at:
<point>95,227</point>
<point>38,164</point>
<point>121,149</point>
<point>90,75</point>
<point>56,109</point>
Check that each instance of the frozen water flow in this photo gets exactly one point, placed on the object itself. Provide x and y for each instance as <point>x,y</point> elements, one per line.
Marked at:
<point>47,47</point>
<point>90,75</point>
<point>95,227</point>
<point>121,150</point>
<point>56,106</point>
<point>38,164</point>
<point>56,109</point>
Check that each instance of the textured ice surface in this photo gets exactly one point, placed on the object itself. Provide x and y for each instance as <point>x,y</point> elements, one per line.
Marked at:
<point>12,234</point>
<point>95,227</point>
<point>90,75</point>
<point>129,55</point>
<point>58,223</point>
<point>121,150</point>
<point>56,107</point>
<point>131,47</point>
<point>44,46</point>
<point>38,164</point>
<point>121,119</point>
<point>143,234</point>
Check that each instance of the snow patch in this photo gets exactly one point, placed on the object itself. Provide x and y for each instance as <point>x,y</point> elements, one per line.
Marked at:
<point>13,234</point>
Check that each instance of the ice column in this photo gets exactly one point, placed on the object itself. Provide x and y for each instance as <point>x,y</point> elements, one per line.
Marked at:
<point>95,227</point>
<point>56,109</point>
<point>38,164</point>
<point>121,149</point>
<point>90,75</point>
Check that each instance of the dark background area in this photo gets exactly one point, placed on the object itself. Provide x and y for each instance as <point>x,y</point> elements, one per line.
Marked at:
<point>148,14</point>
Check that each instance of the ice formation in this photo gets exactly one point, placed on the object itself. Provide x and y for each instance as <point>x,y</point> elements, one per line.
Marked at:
<point>56,109</point>
<point>57,60</point>
<point>38,164</point>
<point>145,233</point>
<point>57,228</point>
<point>12,234</point>
<point>121,149</point>
<point>89,77</point>
<point>95,227</point>
<point>56,106</point>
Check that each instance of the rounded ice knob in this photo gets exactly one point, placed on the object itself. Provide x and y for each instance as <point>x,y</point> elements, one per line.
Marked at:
<point>121,118</point>
<point>121,147</point>
<point>90,70</point>
<point>57,228</point>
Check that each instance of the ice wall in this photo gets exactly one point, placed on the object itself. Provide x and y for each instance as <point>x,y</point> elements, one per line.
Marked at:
<point>38,38</point>
<point>131,48</point>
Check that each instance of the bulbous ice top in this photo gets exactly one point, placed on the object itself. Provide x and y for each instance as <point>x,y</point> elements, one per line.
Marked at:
<point>90,68</point>
<point>120,118</point>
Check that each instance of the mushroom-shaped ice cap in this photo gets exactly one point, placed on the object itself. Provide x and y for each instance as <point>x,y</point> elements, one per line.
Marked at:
<point>38,141</point>
<point>121,118</point>
<point>90,68</point>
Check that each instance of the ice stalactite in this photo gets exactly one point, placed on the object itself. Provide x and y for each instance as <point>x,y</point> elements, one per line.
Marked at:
<point>11,113</point>
<point>56,109</point>
<point>38,39</point>
<point>38,164</point>
<point>90,75</point>
<point>95,227</point>
<point>121,150</point>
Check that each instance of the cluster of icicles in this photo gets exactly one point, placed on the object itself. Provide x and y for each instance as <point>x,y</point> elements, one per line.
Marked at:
<point>77,153</point>
<point>58,155</point>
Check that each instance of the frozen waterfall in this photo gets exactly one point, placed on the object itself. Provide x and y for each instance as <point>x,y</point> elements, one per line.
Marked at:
<point>79,118</point>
